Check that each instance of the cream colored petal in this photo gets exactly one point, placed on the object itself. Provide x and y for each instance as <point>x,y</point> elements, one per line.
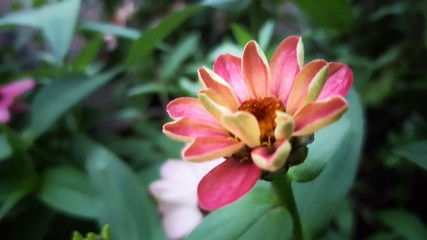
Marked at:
<point>316,86</point>
<point>211,106</point>
<point>285,125</point>
<point>244,126</point>
<point>271,162</point>
<point>223,91</point>
<point>306,85</point>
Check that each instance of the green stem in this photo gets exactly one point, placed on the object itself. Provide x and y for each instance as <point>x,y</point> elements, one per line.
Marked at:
<point>283,188</point>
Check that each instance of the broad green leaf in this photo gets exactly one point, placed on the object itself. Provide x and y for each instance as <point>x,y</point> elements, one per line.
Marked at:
<point>56,21</point>
<point>68,190</point>
<point>124,202</point>
<point>255,216</point>
<point>241,34</point>
<point>317,200</point>
<point>415,152</point>
<point>5,149</point>
<point>111,29</point>
<point>319,153</point>
<point>404,223</point>
<point>336,14</point>
<point>53,100</point>
<point>143,47</point>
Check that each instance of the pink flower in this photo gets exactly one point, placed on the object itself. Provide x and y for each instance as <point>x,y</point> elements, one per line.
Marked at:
<point>8,94</point>
<point>176,193</point>
<point>252,112</point>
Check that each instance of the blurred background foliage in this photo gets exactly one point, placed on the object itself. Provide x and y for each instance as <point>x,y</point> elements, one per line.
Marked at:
<point>91,142</point>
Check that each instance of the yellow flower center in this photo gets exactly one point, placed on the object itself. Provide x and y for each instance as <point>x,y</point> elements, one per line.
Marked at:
<point>265,112</point>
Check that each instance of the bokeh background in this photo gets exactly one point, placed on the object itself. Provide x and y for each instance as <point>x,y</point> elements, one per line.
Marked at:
<point>105,71</point>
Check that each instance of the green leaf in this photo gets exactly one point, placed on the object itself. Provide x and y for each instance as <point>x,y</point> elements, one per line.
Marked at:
<point>415,152</point>
<point>125,204</point>
<point>241,34</point>
<point>14,139</point>
<point>185,48</point>
<point>255,216</point>
<point>143,47</point>
<point>317,200</point>
<point>404,223</point>
<point>56,21</point>
<point>266,34</point>
<point>88,53</point>
<point>5,149</point>
<point>319,153</point>
<point>336,14</point>
<point>53,100</point>
<point>111,29</point>
<point>12,199</point>
<point>77,236</point>
<point>104,235</point>
<point>68,190</point>
<point>21,160</point>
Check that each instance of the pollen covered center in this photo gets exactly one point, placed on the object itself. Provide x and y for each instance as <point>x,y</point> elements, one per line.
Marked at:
<point>265,112</point>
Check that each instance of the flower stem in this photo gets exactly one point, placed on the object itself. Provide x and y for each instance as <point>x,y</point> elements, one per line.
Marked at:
<point>283,188</point>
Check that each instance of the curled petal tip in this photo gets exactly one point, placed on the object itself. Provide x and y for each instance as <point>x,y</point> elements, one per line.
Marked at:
<point>272,161</point>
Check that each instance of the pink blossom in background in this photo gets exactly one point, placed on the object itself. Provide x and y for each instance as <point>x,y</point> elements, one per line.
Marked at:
<point>176,193</point>
<point>250,111</point>
<point>8,95</point>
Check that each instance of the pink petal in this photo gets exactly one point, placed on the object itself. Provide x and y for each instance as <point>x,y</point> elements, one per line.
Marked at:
<point>272,161</point>
<point>208,148</point>
<point>180,170</point>
<point>226,183</point>
<point>178,192</point>
<point>4,115</point>
<point>188,107</point>
<point>225,94</point>
<point>180,221</point>
<point>187,129</point>
<point>285,65</point>
<point>300,90</point>
<point>256,71</point>
<point>229,67</point>
<point>317,115</point>
<point>339,81</point>
<point>15,89</point>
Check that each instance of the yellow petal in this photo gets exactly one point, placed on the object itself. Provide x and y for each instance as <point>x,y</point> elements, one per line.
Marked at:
<point>244,126</point>
<point>284,126</point>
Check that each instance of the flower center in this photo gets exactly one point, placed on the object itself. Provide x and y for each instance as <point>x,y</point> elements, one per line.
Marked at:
<point>265,112</point>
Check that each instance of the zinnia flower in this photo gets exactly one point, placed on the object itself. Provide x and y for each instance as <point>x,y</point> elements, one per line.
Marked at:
<point>253,113</point>
<point>8,94</point>
<point>176,193</point>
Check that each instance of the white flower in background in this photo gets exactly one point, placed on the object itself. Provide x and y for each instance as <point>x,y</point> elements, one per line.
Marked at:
<point>176,193</point>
